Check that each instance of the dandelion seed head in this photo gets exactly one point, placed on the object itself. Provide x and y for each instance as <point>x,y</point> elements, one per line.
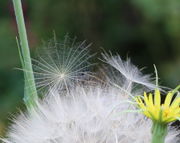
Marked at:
<point>93,115</point>
<point>83,113</point>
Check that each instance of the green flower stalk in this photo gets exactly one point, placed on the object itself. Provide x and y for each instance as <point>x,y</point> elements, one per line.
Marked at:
<point>160,114</point>
<point>159,132</point>
<point>30,92</point>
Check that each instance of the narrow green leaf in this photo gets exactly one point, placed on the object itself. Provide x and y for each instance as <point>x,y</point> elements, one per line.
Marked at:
<point>30,92</point>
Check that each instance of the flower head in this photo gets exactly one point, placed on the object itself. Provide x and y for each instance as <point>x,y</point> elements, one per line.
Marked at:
<point>151,106</point>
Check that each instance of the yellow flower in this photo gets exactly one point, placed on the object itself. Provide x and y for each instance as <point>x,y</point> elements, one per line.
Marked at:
<point>163,113</point>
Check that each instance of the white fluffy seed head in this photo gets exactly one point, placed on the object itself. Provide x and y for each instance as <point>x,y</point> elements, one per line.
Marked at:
<point>62,65</point>
<point>84,114</point>
<point>93,115</point>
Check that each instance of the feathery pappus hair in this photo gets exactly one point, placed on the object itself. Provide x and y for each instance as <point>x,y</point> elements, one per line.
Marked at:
<point>84,115</point>
<point>125,75</point>
<point>61,65</point>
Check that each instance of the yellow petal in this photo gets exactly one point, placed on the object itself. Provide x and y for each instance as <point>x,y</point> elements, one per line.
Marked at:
<point>141,105</point>
<point>157,99</point>
<point>151,100</point>
<point>168,99</point>
<point>146,98</point>
<point>175,103</point>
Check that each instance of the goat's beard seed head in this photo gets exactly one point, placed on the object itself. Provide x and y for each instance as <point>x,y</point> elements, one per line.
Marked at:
<point>93,115</point>
<point>84,114</point>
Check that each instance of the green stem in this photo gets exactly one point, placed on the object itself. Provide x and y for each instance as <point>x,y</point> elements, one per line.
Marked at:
<point>30,95</point>
<point>176,89</point>
<point>159,132</point>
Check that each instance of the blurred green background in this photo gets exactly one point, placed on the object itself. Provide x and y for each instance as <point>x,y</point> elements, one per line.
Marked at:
<point>148,31</point>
